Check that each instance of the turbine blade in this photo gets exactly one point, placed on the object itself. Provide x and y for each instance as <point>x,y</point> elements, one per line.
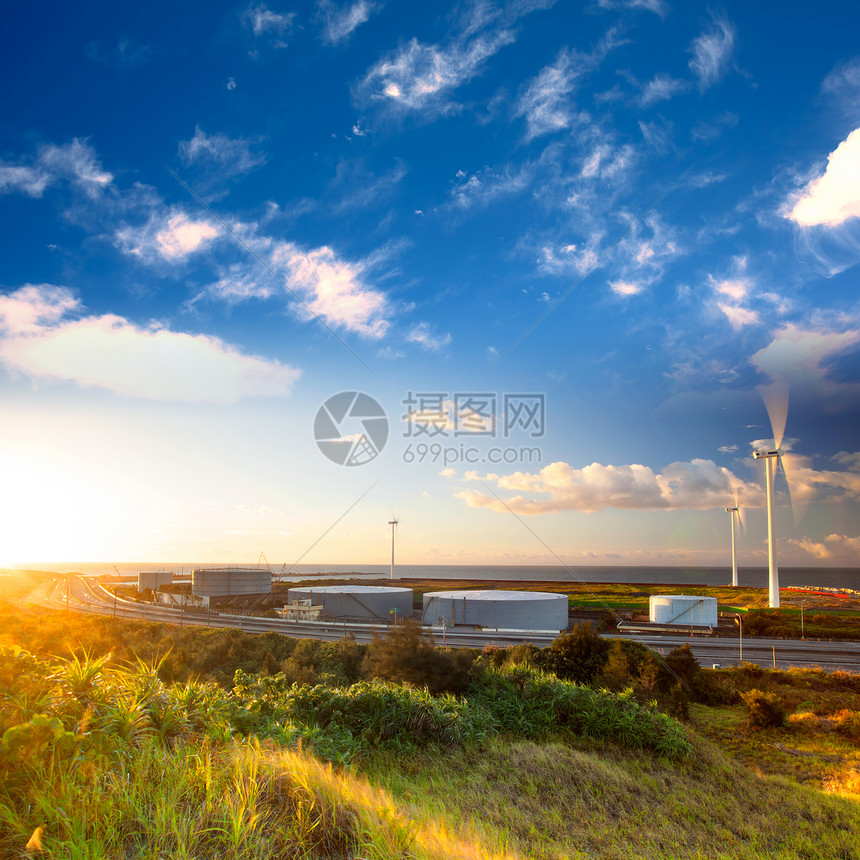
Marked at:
<point>775,397</point>
<point>791,465</point>
<point>741,514</point>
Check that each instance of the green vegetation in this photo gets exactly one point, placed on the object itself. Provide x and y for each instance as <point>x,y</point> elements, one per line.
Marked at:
<point>398,749</point>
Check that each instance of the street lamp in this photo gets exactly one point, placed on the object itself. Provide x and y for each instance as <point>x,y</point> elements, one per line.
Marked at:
<point>770,458</point>
<point>732,512</point>
<point>802,634</point>
<point>741,630</point>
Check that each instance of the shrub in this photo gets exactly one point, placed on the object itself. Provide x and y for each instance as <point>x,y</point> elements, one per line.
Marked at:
<point>848,724</point>
<point>407,655</point>
<point>614,674</point>
<point>576,656</point>
<point>764,710</point>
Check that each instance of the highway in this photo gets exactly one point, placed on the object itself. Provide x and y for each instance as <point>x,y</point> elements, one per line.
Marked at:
<point>87,595</point>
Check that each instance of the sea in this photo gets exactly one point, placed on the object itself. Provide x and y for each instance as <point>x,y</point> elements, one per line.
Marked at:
<point>822,577</point>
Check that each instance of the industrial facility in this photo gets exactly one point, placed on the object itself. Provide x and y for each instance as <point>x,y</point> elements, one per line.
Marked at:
<point>682,610</point>
<point>355,602</point>
<point>214,584</point>
<point>504,610</point>
<point>153,579</point>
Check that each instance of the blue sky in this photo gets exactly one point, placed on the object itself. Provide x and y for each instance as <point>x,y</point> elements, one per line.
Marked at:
<point>642,215</point>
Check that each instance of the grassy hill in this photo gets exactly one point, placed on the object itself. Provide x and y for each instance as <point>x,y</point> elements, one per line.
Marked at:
<point>106,756</point>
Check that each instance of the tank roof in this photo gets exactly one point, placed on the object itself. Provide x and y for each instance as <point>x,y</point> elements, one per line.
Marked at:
<point>493,594</point>
<point>349,589</point>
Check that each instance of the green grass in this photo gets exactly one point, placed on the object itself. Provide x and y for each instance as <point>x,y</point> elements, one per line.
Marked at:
<point>582,799</point>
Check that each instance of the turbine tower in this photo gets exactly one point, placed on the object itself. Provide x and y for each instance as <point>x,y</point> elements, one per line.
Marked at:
<point>732,512</point>
<point>393,524</point>
<point>771,458</point>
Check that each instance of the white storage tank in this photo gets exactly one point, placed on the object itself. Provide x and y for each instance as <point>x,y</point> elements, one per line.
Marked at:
<point>360,602</point>
<point>226,581</point>
<point>506,610</point>
<point>153,579</point>
<point>683,610</point>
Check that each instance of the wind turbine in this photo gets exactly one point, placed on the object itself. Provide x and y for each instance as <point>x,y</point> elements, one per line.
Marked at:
<point>393,523</point>
<point>775,398</point>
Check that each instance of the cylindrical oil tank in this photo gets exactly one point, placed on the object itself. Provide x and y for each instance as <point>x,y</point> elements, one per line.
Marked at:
<point>511,610</point>
<point>225,581</point>
<point>371,602</point>
<point>683,609</point>
<point>153,579</point>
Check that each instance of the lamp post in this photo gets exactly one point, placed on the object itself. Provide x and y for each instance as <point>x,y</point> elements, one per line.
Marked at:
<point>732,512</point>
<point>741,631</point>
<point>802,634</point>
<point>770,458</point>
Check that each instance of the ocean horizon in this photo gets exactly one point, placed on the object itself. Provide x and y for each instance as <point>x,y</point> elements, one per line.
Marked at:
<point>829,577</point>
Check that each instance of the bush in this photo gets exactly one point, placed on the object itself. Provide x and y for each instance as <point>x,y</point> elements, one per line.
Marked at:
<point>576,656</point>
<point>407,655</point>
<point>764,710</point>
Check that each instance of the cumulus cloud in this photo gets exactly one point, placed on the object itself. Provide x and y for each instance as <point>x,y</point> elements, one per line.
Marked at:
<point>800,355</point>
<point>221,154</point>
<point>340,22</point>
<point>46,336</point>
<point>698,484</point>
<point>833,197</point>
<point>835,547</point>
<point>172,236</point>
<point>75,162</point>
<point>712,52</point>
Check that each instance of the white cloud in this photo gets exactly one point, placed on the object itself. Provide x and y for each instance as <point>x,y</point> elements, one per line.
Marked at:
<point>171,236</point>
<point>486,185</point>
<point>545,103</point>
<point>843,84</point>
<point>739,317</point>
<point>662,88</point>
<point>41,341</point>
<point>698,484</point>
<point>712,52</point>
<point>833,197</point>
<point>333,289</point>
<point>263,20</point>
<point>800,355</point>
<point>422,335</point>
<point>228,156</point>
<point>418,75</point>
<point>339,23</point>
<point>658,7</point>
<point>76,162</point>
<point>626,288</point>
<point>736,289</point>
<point>834,546</point>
